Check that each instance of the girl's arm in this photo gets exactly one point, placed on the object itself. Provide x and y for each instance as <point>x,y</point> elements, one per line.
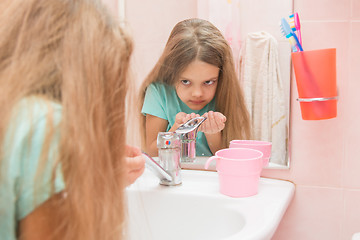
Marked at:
<point>214,141</point>
<point>212,128</point>
<point>42,222</point>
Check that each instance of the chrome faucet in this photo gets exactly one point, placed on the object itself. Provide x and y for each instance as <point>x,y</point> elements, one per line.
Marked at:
<point>168,167</point>
<point>174,148</point>
<point>187,133</point>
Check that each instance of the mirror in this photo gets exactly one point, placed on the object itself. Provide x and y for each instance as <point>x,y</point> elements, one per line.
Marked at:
<point>150,23</point>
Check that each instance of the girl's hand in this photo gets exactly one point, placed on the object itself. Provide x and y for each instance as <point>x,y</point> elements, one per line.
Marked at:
<point>214,123</point>
<point>182,118</point>
<point>134,164</point>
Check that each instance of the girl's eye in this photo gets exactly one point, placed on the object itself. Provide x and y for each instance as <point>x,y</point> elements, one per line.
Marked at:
<point>210,82</point>
<point>185,82</point>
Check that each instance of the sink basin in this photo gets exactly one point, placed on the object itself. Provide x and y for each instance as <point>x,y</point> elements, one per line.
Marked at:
<point>196,209</point>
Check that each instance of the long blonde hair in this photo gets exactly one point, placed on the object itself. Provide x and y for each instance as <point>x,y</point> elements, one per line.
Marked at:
<point>197,39</point>
<point>74,53</point>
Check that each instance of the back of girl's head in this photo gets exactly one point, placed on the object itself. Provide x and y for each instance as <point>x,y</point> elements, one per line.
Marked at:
<point>40,38</point>
<point>74,53</point>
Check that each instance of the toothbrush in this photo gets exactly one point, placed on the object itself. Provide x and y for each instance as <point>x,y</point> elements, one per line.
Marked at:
<point>286,28</point>
<point>288,33</point>
<point>290,38</point>
<point>294,23</point>
<point>297,26</point>
<point>293,44</point>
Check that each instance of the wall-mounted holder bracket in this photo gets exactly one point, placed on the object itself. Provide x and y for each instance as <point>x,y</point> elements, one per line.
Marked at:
<point>318,99</point>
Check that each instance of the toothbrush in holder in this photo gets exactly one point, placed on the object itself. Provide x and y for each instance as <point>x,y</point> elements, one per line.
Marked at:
<point>294,22</point>
<point>288,33</point>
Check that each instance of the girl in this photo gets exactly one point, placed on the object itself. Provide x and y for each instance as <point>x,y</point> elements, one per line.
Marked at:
<point>195,76</point>
<point>63,71</point>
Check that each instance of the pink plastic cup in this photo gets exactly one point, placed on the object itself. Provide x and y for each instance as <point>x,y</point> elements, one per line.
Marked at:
<point>262,146</point>
<point>239,171</point>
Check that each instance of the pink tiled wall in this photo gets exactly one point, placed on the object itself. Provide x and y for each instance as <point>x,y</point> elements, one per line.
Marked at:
<point>325,155</point>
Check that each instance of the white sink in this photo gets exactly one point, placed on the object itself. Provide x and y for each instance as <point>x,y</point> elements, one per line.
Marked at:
<point>196,210</point>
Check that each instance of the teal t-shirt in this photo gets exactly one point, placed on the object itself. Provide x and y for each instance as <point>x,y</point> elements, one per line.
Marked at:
<point>19,194</point>
<point>162,101</point>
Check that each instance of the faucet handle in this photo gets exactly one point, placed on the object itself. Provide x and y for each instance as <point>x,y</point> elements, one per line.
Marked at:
<point>168,140</point>
<point>190,125</point>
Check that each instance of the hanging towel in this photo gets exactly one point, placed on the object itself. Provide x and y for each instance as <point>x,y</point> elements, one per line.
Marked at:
<point>264,92</point>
